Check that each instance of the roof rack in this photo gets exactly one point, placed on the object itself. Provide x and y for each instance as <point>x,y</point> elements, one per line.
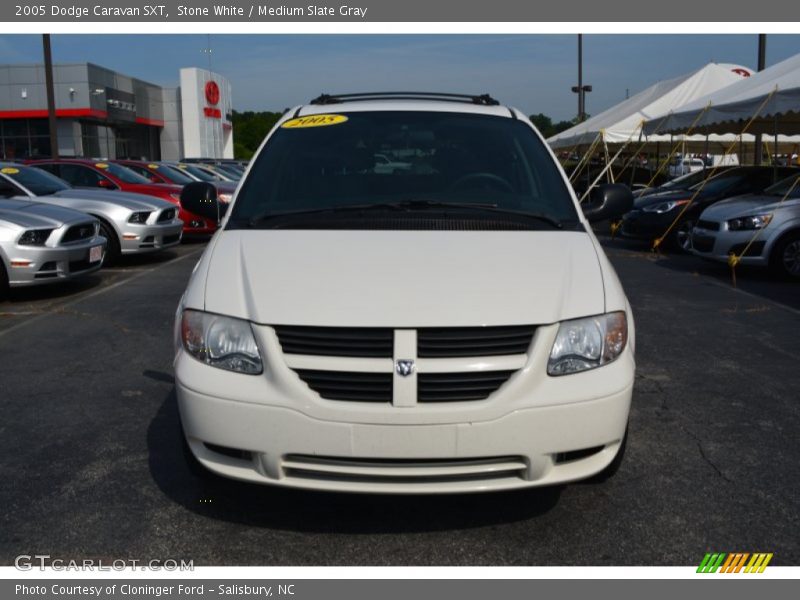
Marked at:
<point>482,99</point>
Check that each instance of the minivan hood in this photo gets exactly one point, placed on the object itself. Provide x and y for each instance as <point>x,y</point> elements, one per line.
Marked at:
<point>129,200</point>
<point>403,278</point>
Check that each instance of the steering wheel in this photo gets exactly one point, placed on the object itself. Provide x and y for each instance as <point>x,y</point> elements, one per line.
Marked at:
<point>489,178</point>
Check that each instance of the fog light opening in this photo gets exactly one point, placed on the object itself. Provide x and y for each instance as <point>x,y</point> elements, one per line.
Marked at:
<point>229,452</point>
<point>573,455</point>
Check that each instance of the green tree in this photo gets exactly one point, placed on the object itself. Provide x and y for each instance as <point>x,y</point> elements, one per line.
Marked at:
<point>249,130</point>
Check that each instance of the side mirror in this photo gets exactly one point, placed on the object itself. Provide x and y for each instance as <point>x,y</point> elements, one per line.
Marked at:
<point>609,201</point>
<point>200,198</point>
<point>106,184</point>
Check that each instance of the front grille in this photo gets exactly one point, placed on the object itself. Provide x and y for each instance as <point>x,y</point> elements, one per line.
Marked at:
<point>361,342</point>
<point>350,386</point>
<point>308,352</point>
<point>76,233</point>
<point>407,471</point>
<point>459,387</point>
<point>453,342</point>
<point>76,266</point>
<point>710,225</point>
<point>166,215</point>
<point>703,243</point>
<point>170,239</point>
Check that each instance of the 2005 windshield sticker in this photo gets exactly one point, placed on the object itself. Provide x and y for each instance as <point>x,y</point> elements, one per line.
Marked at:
<point>314,121</point>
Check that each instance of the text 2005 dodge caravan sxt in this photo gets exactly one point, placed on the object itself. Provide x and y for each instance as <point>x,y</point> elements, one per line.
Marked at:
<point>405,297</point>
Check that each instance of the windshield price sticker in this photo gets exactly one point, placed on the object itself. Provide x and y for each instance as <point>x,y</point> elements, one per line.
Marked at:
<point>314,121</point>
<point>9,171</point>
<point>101,165</point>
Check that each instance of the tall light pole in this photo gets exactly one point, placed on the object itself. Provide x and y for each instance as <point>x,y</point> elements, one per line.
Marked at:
<point>581,89</point>
<point>51,97</point>
<point>762,63</point>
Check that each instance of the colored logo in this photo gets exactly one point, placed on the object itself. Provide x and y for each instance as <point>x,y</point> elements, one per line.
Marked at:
<point>314,121</point>
<point>742,72</point>
<point>212,92</point>
<point>734,562</point>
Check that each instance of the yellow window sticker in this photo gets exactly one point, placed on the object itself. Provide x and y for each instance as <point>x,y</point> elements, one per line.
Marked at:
<point>9,171</point>
<point>101,165</point>
<point>314,121</point>
<point>152,166</point>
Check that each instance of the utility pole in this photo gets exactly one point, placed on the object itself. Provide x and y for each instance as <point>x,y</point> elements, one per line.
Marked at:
<point>581,89</point>
<point>762,63</point>
<point>51,97</point>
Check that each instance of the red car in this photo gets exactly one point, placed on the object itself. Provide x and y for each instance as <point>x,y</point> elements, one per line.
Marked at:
<point>167,173</point>
<point>93,174</point>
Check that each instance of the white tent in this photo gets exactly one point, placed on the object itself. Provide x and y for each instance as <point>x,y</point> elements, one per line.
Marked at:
<point>622,123</point>
<point>772,96</point>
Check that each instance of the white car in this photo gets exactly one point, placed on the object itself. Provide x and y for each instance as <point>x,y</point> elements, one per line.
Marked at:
<point>455,328</point>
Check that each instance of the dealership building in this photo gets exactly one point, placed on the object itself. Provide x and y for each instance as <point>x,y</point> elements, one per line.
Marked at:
<point>105,114</point>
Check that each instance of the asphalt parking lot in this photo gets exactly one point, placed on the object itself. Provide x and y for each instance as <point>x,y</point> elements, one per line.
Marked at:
<point>92,466</point>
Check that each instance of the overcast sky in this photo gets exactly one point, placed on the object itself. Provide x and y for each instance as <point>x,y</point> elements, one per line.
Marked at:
<point>532,72</point>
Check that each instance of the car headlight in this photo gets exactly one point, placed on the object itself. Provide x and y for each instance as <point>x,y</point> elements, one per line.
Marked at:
<point>34,237</point>
<point>665,207</point>
<point>139,217</point>
<point>225,198</point>
<point>588,343</point>
<point>750,222</point>
<point>222,342</point>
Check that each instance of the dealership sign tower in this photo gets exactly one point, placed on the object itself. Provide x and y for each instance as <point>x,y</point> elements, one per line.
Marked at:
<point>206,110</point>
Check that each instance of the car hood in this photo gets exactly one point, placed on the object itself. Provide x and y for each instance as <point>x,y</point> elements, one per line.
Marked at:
<point>665,196</point>
<point>128,200</point>
<point>35,214</point>
<point>742,206</point>
<point>404,278</point>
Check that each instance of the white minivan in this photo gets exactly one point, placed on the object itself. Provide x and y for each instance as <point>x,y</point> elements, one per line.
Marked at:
<point>451,326</point>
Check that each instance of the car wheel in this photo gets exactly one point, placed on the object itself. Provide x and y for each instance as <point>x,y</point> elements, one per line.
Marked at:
<point>681,237</point>
<point>112,247</point>
<point>4,287</point>
<point>612,468</point>
<point>785,258</point>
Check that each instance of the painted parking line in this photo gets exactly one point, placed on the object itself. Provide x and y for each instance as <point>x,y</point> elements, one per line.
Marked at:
<point>59,307</point>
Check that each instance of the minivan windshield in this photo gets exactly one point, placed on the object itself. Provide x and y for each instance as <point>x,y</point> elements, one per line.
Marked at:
<point>399,165</point>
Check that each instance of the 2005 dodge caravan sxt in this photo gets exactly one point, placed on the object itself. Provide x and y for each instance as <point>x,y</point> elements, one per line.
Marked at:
<point>404,297</point>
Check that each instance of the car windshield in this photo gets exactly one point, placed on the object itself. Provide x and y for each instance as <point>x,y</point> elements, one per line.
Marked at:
<point>684,181</point>
<point>411,160</point>
<point>201,174</point>
<point>174,175</point>
<point>39,182</point>
<point>790,186</point>
<point>124,174</point>
<point>718,184</point>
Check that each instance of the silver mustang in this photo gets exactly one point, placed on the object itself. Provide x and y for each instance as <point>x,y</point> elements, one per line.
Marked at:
<point>132,223</point>
<point>41,243</point>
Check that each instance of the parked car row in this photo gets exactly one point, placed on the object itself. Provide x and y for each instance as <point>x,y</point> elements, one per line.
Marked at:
<point>60,218</point>
<point>718,217</point>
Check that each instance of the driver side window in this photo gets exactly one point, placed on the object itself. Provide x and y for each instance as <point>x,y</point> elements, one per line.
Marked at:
<point>81,176</point>
<point>8,189</point>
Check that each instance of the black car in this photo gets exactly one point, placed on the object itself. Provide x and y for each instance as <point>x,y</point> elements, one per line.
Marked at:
<point>653,214</point>
<point>683,182</point>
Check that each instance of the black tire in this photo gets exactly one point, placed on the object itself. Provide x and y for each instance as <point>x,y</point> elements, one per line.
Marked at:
<point>112,247</point>
<point>680,238</point>
<point>612,468</point>
<point>4,287</point>
<point>785,257</point>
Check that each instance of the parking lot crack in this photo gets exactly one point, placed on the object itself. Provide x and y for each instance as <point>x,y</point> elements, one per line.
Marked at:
<point>704,456</point>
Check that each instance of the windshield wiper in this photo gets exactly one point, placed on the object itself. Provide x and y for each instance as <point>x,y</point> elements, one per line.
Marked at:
<point>406,205</point>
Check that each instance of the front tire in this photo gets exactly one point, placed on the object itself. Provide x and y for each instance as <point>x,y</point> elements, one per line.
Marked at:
<point>681,236</point>
<point>785,257</point>
<point>113,251</point>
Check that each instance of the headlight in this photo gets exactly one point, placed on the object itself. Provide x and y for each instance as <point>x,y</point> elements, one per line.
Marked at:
<point>225,198</point>
<point>751,222</point>
<point>583,344</point>
<point>34,237</point>
<point>139,217</point>
<point>222,342</point>
<point>664,207</point>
